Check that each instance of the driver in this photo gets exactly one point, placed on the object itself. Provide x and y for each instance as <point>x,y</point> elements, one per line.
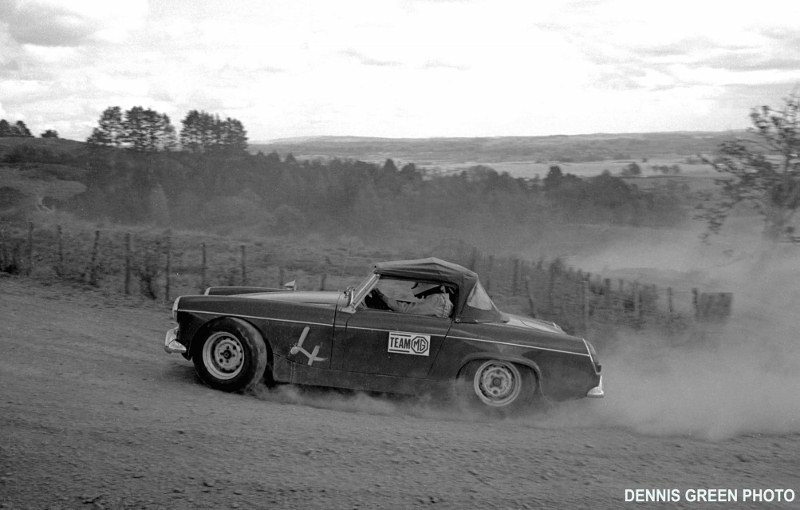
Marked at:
<point>433,300</point>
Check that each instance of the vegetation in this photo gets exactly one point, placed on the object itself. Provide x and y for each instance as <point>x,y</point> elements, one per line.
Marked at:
<point>762,171</point>
<point>132,172</point>
<point>17,129</point>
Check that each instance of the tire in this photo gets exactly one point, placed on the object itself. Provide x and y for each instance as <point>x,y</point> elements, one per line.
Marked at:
<point>497,385</point>
<point>230,355</point>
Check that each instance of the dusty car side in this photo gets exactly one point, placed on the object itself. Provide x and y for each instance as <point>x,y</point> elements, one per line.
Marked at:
<point>351,339</point>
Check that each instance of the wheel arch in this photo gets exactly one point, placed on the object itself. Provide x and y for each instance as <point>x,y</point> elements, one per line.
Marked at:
<point>519,360</point>
<point>204,329</point>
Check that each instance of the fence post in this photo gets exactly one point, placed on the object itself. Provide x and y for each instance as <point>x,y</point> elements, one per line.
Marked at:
<point>637,304</point>
<point>3,250</point>
<point>670,306</point>
<point>168,269</point>
<point>243,257</point>
<point>531,301</point>
<point>60,266</point>
<point>489,273</point>
<point>203,281</point>
<point>585,302</point>
<point>127,263</point>
<point>473,263</point>
<point>515,277</point>
<point>323,279</point>
<point>93,266</point>
<point>29,268</point>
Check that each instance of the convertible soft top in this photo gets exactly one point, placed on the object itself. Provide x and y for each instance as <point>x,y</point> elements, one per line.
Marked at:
<point>429,269</point>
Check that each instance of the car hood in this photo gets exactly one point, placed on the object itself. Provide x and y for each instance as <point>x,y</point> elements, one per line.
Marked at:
<point>328,298</point>
<point>531,323</point>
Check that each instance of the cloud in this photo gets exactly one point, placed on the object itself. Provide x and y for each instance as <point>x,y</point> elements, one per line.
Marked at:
<point>68,24</point>
<point>370,61</point>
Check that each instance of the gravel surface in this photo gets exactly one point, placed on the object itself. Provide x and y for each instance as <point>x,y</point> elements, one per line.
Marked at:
<point>94,414</point>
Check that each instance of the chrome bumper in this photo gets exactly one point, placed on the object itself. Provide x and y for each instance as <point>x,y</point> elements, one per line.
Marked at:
<point>171,343</point>
<point>597,391</point>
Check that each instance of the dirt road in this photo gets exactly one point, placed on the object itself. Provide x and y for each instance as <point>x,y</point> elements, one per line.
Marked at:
<point>94,414</point>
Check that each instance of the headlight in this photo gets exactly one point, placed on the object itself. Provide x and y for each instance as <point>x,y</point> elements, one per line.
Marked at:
<point>175,308</point>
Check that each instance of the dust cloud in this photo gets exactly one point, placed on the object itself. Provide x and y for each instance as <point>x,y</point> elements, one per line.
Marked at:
<point>719,380</point>
<point>715,382</point>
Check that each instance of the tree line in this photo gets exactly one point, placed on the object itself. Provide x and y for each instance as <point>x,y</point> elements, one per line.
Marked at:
<point>138,169</point>
<point>19,129</point>
<point>145,130</point>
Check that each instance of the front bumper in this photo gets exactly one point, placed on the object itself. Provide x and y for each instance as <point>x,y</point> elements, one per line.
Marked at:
<point>171,343</point>
<point>597,391</point>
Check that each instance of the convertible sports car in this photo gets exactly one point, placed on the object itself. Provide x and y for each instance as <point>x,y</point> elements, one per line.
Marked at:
<point>379,337</point>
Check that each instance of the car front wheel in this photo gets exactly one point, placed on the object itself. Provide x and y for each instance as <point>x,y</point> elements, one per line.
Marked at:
<point>230,356</point>
<point>498,384</point>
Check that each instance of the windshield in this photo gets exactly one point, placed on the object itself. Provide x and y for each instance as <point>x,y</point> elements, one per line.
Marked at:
<point>480,307</point>
<point>480,299</point>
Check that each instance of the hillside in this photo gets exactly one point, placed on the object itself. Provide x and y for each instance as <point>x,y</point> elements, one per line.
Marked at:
<point>447,151</point>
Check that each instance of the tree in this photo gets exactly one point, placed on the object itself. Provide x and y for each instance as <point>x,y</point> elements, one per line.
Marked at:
<point>203,132</point>
<point>146,130</point>
<point>110,131</point>
<point>50,133</point>
<point>632,169</point>
<point>21,129</point>
<point>762,171</point>
<point>18,129</point>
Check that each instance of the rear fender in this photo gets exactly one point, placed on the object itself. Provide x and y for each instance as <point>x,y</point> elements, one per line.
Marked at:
<point>512,359</point>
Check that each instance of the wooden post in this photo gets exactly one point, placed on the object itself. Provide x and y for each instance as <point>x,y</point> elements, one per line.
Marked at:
<point>670,307</point>
<point>473,263</point>
<point>3,250</point>
<point>60,266</point>
<point>168,269</point>
<point>489,273</point>
<point>585,303</point>
<point>203,281</point>
<point>244,265</point>
<point>531,301</point>
<point>29,267</point>
<point>515,277</point>
<point>323,279</point>
<point>637,301</point>
<point>93,266</point>
<point>128,263</point>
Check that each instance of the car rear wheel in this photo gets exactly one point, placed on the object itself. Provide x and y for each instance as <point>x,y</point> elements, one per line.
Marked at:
<point>498,384</point>
<point>230,355</point>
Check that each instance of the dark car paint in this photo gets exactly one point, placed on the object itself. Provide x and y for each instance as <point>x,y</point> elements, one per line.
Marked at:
<point>345,347</point>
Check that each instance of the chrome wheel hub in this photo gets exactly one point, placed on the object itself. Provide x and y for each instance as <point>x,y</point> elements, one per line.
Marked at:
<point>497,383</point>
<point>223,355</point>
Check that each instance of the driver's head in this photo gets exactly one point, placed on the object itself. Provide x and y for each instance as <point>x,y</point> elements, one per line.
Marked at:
<point>421,290</point>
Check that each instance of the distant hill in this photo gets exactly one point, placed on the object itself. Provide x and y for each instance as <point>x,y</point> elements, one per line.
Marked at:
<point>534,149</point>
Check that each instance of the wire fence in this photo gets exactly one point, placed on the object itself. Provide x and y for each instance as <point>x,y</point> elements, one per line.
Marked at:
<point>163,265</point>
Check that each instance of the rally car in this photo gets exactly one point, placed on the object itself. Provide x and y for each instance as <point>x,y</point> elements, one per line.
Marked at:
<point>379,336</point>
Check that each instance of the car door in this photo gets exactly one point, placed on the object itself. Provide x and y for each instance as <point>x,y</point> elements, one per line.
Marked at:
<point>387,343</point>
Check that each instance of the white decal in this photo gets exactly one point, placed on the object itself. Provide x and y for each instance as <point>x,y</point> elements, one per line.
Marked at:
<point>409,343</point>
<point>298,347</point>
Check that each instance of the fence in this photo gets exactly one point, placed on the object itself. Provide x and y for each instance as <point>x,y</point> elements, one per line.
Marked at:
<point>166,264</point>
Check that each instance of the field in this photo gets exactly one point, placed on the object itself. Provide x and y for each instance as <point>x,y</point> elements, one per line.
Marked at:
<point>95,415</point>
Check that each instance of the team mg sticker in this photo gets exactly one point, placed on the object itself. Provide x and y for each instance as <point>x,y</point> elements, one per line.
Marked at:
<point>409,343</point>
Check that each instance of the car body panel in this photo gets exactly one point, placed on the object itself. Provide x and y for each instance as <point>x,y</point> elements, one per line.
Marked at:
<point>334,339</point>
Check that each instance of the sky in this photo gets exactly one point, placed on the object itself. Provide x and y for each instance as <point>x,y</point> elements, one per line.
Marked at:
<point>400,68</point>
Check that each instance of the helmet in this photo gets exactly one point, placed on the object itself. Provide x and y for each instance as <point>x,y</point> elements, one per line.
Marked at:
<point>420,289</point>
